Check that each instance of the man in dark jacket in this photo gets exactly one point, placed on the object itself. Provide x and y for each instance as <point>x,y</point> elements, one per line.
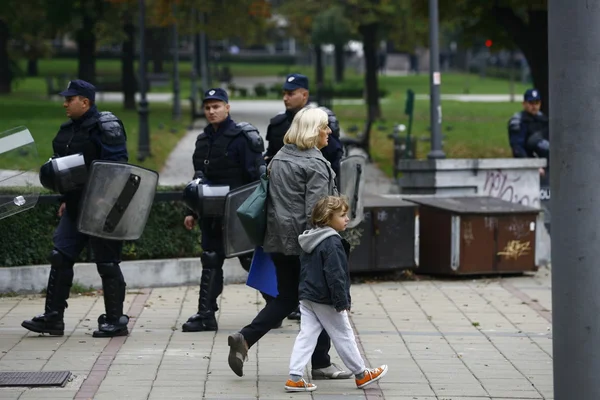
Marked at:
<point>295,97</point>
<point>528,129</point>
<point>96,136</point>
<point>227,153</point>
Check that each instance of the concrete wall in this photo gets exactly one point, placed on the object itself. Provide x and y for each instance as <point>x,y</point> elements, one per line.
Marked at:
<point>138,274</point>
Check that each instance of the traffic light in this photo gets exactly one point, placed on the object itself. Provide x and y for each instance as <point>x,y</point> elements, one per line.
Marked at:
<point>488,43</point>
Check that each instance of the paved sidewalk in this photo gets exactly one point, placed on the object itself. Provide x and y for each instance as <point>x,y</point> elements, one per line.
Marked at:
<point>459,339</point>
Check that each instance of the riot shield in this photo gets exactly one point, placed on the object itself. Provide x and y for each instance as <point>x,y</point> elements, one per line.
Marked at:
<point>117,200</point>
<point>19,184</point>
<point>235,240</point>
<point>352,179</point>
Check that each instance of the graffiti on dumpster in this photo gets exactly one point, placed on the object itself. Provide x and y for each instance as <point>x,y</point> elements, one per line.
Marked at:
<point>501,185</point>
<point>515,249</point>
<point>468,236</point>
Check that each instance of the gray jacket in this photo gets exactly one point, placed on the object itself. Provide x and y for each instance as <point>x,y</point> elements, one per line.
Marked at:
<point>297,180</point>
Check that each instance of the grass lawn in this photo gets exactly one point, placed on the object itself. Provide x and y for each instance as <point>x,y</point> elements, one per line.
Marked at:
<point>112,68</point>
<point>471,130</point>
<point>43,118</point>
<point>452,83</point>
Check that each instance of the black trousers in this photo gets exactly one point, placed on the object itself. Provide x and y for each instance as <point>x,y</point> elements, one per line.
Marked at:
<point>288,278</point>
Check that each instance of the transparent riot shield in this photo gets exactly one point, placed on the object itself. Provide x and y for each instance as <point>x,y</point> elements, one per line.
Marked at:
<point>352,179</point>
<point>235,240</point>
<point>117,200</point>
<point>19,182</point>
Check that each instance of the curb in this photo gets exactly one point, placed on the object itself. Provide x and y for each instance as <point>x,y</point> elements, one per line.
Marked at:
<point>138,274</point>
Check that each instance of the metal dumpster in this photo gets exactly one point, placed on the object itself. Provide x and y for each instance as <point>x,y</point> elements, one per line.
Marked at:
<point>385,239</point>
<point>475,235</point>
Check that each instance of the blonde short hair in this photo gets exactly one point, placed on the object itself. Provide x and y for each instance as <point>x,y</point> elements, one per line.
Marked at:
<point>325,208</point>
<point>304,132</point>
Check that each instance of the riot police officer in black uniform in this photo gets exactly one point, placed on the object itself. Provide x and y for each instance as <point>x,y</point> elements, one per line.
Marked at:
<point>295,97</point>
<point>226,154</point>
<point>528,130</point>
<point>89,135</point>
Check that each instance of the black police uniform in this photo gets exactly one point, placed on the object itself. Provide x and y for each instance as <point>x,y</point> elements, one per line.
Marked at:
<point>231,155</point>
<point>99,136</point>
<point>529,134</point>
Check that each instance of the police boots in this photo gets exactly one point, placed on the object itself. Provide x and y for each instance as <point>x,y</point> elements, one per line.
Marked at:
<point>60,280</point>
<point>114,322</point>
<point>211,286</point>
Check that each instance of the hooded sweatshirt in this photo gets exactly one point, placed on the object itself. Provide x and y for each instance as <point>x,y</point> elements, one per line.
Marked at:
<point>324,275</point>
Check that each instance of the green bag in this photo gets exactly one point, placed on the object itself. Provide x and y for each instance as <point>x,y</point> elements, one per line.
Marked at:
<point>253,212</point>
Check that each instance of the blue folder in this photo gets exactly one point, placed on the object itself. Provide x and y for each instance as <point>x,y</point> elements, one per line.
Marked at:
<point>262,274</point>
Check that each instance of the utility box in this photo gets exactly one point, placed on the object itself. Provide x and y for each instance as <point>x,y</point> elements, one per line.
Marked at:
<point>385,239</point>
<point>475,235</point>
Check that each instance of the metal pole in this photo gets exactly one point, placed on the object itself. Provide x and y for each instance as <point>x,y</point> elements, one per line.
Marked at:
<point>435,107</point>
<point>176,91</point>
<point>511,76</point>
<point>203,54</point>
<point>573,59</point>
<point>144,134</point>
<point>194,74</point>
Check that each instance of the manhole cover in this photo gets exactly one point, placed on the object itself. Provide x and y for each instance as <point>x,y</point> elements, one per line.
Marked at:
<point>34,379</point>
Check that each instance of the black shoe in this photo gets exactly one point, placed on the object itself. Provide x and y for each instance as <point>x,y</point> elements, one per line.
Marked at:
<point>295,315</point>
<point>108,329</point>
<point>197,323</point>
<point>51,323</point>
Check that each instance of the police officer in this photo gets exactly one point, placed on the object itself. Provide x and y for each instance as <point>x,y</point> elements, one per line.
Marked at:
<point>226,154</point>
<point>295,97</point>
<point>97,136</point>
<point>528,129</point>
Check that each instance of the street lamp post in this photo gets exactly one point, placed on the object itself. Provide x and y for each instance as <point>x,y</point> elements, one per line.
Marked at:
<point>176,89</point>
<point>194,73</point>
<point>435,111</point>
<point>144,134</point>
<point>573,99</point>
<point>203,54</point>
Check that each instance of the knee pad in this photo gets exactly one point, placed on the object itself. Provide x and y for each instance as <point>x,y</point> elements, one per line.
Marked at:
<point>59,260</point>
<point>109,270</point>
<point>211,260</point>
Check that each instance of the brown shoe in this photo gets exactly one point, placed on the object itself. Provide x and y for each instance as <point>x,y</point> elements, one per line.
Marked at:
<point>372,375</point>
<point>300,386</point>
<point>238,353</point>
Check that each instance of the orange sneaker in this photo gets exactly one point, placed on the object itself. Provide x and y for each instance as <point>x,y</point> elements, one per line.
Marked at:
<point>372,375</point>
<point>300,386</point>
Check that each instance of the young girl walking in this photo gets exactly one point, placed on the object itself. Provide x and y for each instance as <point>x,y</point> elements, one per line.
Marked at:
<point>324,294</point>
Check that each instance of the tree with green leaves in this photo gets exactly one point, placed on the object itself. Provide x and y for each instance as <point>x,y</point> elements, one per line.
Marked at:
<point>520,23</point>
<point>25,22</point>
<point>332,27</point>
<point>371,19</point>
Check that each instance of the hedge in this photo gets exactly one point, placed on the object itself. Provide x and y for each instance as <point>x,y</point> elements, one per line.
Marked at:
<point>26,238</point>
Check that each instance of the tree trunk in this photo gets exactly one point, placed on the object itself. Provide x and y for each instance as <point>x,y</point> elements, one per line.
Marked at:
<point>532,40</point>
<point>128,78</point>
<point>157,47</point>
<point>369,35</point>
<point>5,69</point>
<point>86,50</point>
<point>319,71</point>
<point>339,62</point>
<point>32,67</point>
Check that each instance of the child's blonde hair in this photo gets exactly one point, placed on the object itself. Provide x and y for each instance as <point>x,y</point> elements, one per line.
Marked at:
<point>325,208</point>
